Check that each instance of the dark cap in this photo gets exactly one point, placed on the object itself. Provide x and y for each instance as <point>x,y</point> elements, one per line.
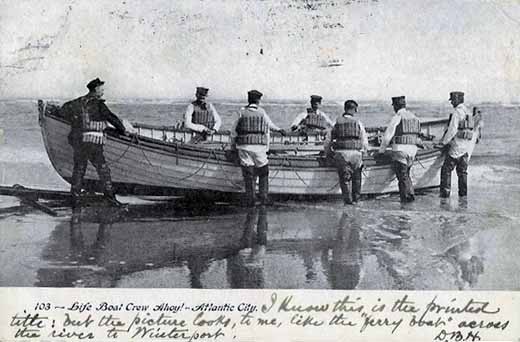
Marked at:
<point>253,95</point>
<point>350,104</point>
<point>94,83</point>
<point>316,98</point>
<point>202,91</point>
<point>457,95</point>
<point>399,101</point>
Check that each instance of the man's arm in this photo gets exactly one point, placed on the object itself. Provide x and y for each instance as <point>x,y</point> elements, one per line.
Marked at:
<point>216,116</point>
<point>111,117</point>
<point>298,120</point>
<point>389,132</point>
<point>452,129</point>
<point>190,125</point>
<point>233,134</point>
<point>327,146</point>
<point>269,122</point>
<point>364,137</point>
<point>326,117</point>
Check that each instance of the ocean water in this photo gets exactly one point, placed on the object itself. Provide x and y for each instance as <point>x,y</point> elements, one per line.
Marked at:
<point>379,244</point>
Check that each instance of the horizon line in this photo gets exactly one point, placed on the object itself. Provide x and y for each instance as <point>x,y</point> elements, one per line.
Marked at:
<point>240,100</point>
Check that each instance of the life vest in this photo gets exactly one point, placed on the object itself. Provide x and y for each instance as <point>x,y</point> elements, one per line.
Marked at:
<point>201,115</point>
<point>346,134</point>
<point>92,127</point>
<point>407,132</point>
<point>314,120</point>
<point>465,128</point>
<point>252,129</point>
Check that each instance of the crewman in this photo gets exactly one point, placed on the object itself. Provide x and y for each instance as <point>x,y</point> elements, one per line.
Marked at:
<point>403,133</point>
<point>348,140</point>
<point>201,116</point>
<point>459,135</point>
<point>313,118</point>
<point>89,117</point>
<point>251,137</point>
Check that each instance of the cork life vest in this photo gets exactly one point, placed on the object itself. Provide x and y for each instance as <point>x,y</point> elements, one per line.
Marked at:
<point>201,115</point>
<point>251,129</point>
<point>92,123</point>
<point>465,128</point>
<point>314,121</point>
<point>407,132</point>
<point>346,134</point>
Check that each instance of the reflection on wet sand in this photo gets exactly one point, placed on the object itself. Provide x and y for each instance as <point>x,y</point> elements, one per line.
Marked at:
<point>246,267</point>
<point>388,242</point>
<point>99,254</point>
<point>266,247</point>
<point>463,251</point>
<point>343,259</point>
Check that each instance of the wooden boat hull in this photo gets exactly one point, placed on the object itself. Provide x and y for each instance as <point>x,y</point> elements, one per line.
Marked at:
<point>153,166</point>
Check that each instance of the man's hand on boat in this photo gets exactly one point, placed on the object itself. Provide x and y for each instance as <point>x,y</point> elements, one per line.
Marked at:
<point>209,131</point>
<point>377,154</point>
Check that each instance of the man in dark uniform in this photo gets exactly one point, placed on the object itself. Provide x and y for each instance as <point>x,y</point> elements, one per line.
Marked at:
<point>251,137</point>
<point>403,133</point>
<point>348,140</point>
<point>89,117</point>
<point>201,116</point>
<point>313,118</point>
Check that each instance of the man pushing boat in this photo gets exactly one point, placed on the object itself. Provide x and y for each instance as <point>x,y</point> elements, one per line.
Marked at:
<point>347,140</point>
<point>201,116</point>
<point>313,119</point>
<point>89,116</point>
<point>403,133</point>
<point>461,135</point>
<point>251,131</point>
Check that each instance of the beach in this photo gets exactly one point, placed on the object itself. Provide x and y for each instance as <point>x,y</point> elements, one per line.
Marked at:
<point>431,244</point>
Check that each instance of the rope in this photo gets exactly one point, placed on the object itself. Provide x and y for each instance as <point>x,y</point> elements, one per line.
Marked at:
<point>334,186</point>
<point>120,157</point>
<point>181,179</point>
<point>275,174</point>
<point>418,161</point>
<point>197,171</point>
<point>225,173</point>
<point>142,151</point>
<point>300,178</point>
<point>296,172</point>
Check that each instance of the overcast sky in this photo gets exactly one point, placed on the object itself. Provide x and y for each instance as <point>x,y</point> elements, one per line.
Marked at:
<point>164,48</point>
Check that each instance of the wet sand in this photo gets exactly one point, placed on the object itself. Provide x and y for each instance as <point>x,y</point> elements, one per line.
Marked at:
<point>431,244</point>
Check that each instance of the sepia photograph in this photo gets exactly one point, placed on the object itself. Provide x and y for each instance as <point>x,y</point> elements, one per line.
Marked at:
<point>260,144</point>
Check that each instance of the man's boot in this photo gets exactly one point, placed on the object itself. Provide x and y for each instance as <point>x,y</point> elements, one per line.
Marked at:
<point>344,183</point>
<point>263,185</point>
<point>400,171</point>
<point>356,184</point>
<point>410,193</point>
<point>75,188</point>
<point>106,182</point>
<point>462,175</point>
<point>446,178</point>
<point>249,185</point>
